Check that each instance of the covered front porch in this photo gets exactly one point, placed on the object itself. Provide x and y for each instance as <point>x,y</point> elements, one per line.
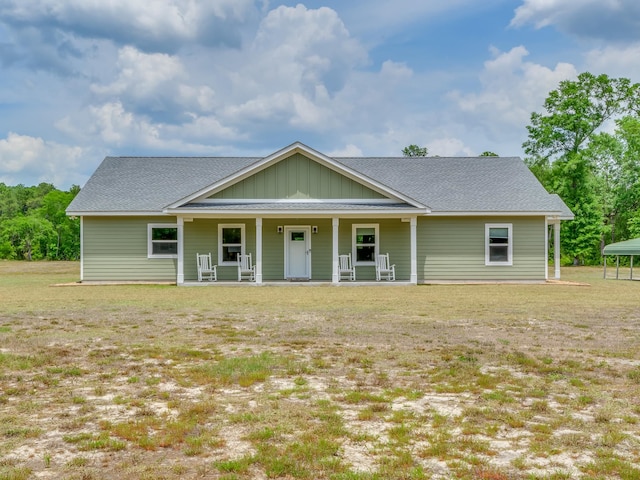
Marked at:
<point>298,250</point>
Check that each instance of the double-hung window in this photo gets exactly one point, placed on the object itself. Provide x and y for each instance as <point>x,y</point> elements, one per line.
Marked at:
<point>162,240</point>
<point>499,244</point>
<point>230,243</point>
<point>365,244</point>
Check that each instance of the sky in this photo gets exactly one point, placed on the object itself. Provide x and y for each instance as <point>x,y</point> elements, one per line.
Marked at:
<point>85,79</point>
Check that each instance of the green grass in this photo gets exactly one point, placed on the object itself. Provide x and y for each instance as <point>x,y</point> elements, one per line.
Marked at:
<point>366,383</point>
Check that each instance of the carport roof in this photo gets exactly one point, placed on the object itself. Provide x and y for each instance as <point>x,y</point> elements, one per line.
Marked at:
<point>628,247</point>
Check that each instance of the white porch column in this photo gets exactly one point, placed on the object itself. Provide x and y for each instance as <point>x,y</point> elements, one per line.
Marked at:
<point>259,250</point>
<point>81,249</point>
<point>414,251</point>
<point>546,248</point>
<point>556,249</point>
<point>180,277</point>
<point>335,277</point>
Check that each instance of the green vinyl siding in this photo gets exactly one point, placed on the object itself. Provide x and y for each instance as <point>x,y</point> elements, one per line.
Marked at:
<point>453,248</point>
<point>449,248</point>
<point>297,177</point>
<point>201,236</point>
<point>394,239</point>
<point>115,249</point>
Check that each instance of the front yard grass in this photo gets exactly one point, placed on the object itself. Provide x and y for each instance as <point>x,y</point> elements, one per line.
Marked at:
<point>429,382</point>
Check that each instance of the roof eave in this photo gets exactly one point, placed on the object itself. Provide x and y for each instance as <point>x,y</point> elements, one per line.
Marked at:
<point>115,213</point>
<point>500,213</point>
<point>324,212</point>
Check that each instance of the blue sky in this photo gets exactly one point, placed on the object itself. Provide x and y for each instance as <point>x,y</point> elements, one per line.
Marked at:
<point>82,79</point>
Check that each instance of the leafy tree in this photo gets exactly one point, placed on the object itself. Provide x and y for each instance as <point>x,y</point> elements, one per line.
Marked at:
<point>27,237</point>
<point>557,151</point>
<point>616,162</point>
<point>415,151</point>
<point>9,204</point>
<point>575,111</point>
<point>489,154</point>
<point>33,224</point>
<point>52,208</point>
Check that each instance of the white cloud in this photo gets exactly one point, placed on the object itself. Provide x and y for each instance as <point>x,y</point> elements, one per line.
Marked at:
<point>615,61</point>
<point>450,147</point>
<point>156,84</point>
<point>142,74</point>
<point>512,89</point>
<point>160,25</point>
<point>349,150</point>
<point>610,20</point>
<point>116,127</point>
<point>298,50</point>
<point>24,158</point>
<point>380,18</point>
<point>204,129</point>
<point>396,71</point>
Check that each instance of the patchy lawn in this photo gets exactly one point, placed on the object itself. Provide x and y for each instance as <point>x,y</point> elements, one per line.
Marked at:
<point>434,382</point>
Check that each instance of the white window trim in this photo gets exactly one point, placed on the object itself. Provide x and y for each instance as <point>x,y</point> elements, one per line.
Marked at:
<point>354,230</point>
<point>150,227</point>
<point>487,256</point>
<point>221,226</point>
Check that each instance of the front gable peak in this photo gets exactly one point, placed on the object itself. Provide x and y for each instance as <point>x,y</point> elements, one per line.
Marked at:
<point>297,173</point>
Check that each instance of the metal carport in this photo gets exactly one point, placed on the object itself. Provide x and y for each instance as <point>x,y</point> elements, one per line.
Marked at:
<point>626,248</point>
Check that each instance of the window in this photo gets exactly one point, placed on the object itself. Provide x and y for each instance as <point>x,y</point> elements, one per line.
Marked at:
<point>365,244</point>
<point>230,243</point>
<point>498,244</point>
<point>162,240</point>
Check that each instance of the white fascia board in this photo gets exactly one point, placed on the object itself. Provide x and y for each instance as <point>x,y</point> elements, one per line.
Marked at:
<point>283,153</point>
<point>325,212</point>
<point>479,213</point>
<point>555,216</point>
<point>285,201</point>
<point>119,213</point>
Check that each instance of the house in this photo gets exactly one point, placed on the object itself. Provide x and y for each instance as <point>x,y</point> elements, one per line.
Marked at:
<point>297,210</point>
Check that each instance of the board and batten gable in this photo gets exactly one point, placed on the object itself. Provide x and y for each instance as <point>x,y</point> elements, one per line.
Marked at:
<point>297,177</point>
<point>115,249</point>
<point>453,248</point>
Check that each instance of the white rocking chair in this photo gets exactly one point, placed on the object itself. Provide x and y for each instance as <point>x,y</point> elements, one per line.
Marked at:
<point>346,270</point>
<point>384,271</point>
<point>246,269</point>
<point>206,271</point>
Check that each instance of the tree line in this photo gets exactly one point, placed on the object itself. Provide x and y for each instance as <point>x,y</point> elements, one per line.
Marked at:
<point>34,225</point>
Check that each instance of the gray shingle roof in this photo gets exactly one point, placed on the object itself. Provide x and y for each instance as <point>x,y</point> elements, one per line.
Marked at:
<point>451,185</point>
<point>148,184</point>
<point>461,184</point>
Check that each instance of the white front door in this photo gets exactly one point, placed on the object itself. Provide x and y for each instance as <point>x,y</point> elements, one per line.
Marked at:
<point>297,252</point>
